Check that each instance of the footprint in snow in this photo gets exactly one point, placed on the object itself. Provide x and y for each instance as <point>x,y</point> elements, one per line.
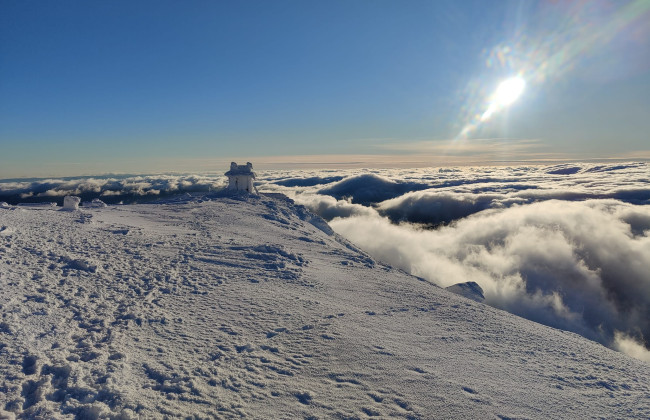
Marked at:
<point>370,412</point>
<point>376,398</point>
<point>403,404</point>
<point>473,396</point>
<point>275,332</point>
<point>5,328</point>
<point>29,365</point>
<point>381,350</point>
<point>469,390</point>
<point>304,397</point>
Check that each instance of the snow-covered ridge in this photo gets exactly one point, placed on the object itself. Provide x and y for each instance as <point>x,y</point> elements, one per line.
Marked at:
<point>231,307</point>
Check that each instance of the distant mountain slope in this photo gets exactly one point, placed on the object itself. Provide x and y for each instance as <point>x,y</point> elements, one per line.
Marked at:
<point>216,307</point>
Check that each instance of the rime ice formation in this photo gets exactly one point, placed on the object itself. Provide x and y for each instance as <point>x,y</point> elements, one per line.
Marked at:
<point>240,177</point>
<point>71,203</point>
<point>209,306</point>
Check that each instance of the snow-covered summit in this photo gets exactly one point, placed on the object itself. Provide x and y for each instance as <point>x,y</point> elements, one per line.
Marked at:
<point>250,306</point>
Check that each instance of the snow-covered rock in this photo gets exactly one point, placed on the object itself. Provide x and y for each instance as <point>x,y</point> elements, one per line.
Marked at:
<point>71,202</point>
<point>96,202</point>
<point>246,307</point>
<point>470,290</point>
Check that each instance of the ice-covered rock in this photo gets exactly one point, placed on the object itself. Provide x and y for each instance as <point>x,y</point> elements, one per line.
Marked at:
<point>71,202</point>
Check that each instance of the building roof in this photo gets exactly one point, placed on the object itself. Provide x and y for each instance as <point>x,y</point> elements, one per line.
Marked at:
<point>241,169</point>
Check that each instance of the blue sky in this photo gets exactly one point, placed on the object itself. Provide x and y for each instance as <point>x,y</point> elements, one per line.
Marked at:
<point>121,86</point>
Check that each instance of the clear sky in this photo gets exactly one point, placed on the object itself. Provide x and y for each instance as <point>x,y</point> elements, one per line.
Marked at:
<point>138,86</point>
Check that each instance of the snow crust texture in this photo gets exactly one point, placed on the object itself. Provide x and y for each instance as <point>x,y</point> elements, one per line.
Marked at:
<point>252,307</point>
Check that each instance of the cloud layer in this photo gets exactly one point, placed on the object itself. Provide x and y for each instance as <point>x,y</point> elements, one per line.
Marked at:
<point>565,245</point>
<point>439,196</point>
<point>108,189</point>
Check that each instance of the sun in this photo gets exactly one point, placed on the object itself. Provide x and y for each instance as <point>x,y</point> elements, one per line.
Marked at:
<point>506,94</point>
<point>509,91</point>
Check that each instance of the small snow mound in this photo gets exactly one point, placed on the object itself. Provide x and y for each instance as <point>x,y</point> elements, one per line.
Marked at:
<point>5,231</point>
<point>320,224</point>
<point>79,264</point>
<point>279,250</point>
<point>470,290</point>
<point>4,205</point>
<point>96,203</point>
<point>313,219</point>
<point>45,205</point>
<point>71,203</point>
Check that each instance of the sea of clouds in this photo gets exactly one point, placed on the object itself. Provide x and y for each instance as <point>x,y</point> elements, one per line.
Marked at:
<point>110,189</point>
<point>565,245</point>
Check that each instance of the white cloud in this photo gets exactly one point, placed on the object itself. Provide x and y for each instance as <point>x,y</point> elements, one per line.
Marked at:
<point>118,187</point>
<point>330,208</point>
<point>630,346</point>
<point>571,265</point>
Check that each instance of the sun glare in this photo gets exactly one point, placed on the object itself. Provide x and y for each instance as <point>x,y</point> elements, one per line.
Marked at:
<point>506,94</point>
<point>509,91</point>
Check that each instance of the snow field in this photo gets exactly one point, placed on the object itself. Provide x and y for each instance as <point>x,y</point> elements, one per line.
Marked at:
<point>251,307</point>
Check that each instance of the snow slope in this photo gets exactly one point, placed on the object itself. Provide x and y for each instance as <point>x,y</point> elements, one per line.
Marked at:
<point>251,307</point>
